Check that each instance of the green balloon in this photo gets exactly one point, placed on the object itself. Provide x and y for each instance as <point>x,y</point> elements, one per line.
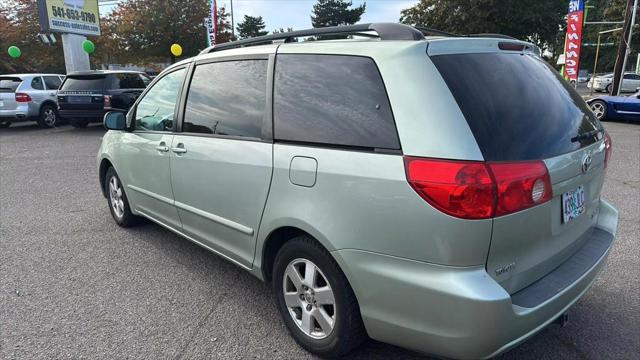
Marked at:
<point>88,46</point>
<point>14,52</point>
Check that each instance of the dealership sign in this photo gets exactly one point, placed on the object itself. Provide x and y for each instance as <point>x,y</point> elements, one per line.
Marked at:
<point>69,16</point>
<point>575,20</point>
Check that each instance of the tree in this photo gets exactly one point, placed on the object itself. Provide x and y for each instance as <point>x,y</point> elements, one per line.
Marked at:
<point>251,26</point>
<point>223,26</point>
<point>19,26</point>
<point>536,21</point>
<point>336,13</point>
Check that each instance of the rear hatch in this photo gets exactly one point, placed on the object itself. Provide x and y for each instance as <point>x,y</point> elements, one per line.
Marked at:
<point>8,87</point>
<point>82,92</point>
<point>520,109</point>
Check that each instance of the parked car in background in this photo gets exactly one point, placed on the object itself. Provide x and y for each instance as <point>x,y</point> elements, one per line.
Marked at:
<point>29,97</point>
<point>604,83</point>
<point>86,96</point>
<point>584,76</point>
<point>616,107</point>
<point>457,224</point>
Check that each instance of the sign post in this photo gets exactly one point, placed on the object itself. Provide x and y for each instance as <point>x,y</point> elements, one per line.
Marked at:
<point>74,19</point>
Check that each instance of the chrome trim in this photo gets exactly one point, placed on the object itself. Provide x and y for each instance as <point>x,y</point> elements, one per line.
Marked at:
<point>151,194</point>
<point>192,239</point>
<point>215,218</point>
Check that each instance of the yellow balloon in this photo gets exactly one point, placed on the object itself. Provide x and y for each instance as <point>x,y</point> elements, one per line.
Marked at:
<point>176,50</point>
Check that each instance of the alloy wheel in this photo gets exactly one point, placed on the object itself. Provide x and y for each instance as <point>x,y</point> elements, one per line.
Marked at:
<point>309,298</point>
<point>50,117</point>
<point>115,197</point>
<point>598,110</point>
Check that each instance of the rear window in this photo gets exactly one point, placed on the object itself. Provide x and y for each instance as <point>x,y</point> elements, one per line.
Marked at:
<point>9,84</point>
<point>333,100</point>
<point>84,83</point>
<point>517,106</point>
<point>126,81</point>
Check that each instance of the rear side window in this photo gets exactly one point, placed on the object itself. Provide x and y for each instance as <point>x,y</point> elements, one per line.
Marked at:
<point>517,106</point>
<point>227,98</point>
<point>9,84</point>
<point>84,83</point>
<point>333,100</point>
<point>52,82</point>
<point>126,81</point>
<point>37,84</point>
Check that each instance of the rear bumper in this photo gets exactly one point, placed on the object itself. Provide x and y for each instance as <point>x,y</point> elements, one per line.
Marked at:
<point>14,115</point>
<point>457,312</point>
<point>97,115</point>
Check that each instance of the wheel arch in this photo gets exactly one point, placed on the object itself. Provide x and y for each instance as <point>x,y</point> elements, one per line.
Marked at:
<point>48,102</point>
<point>105,164</point>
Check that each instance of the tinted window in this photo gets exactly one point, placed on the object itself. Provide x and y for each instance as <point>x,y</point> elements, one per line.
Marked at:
<point>9,84</point>
<point>37,84</point>
<point>84,83</point>
<point>227,98</point>
<point>155,112</point>
<point>52,82</point>
<point>329,99</point>
<point>126,81</point>
<point>517,106</point>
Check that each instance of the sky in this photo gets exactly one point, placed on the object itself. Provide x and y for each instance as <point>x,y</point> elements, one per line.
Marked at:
<point>297,13</point>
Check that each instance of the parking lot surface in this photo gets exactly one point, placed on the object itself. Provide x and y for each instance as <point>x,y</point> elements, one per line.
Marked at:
<point>74,285</point>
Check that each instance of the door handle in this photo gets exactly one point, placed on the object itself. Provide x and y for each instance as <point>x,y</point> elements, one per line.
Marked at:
<point>162,147</point>
<point>179,149</point>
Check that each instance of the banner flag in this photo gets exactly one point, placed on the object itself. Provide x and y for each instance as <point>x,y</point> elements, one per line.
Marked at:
<point>211,23</point>
<point>573,41</point>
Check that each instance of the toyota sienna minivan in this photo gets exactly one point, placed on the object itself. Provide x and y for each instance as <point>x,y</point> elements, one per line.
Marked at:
<point>440,193</point>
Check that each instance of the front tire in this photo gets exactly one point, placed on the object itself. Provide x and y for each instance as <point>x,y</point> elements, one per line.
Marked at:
<point>315,299</point>
<point>48,117</point>
<point>117,199</point>
<point>599,109</point>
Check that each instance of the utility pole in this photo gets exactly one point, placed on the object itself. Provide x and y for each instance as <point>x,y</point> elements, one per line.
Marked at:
<point>623,48</point>
<point>233,26</point>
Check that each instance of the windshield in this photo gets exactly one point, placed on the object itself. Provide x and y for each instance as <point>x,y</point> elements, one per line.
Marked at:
<point>517,106</point>
<point>9,84</point>
<point>84,83</point>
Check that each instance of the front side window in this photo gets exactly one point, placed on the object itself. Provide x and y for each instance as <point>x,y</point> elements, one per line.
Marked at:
<point>155,112</point>
<point>227,98</point>
<point>333,100</point>
<point>37,84</point>
<point>52,82</point>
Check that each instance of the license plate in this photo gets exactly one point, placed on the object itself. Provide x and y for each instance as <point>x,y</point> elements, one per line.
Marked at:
<point>79,99</point>
<point>573,204</point>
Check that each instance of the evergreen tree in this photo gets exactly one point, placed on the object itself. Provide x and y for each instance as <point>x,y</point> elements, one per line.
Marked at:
<point>251,26</point>
<point>335,13</point>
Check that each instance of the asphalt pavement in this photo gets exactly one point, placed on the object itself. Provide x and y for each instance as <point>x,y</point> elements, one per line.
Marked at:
<point>73,285</point>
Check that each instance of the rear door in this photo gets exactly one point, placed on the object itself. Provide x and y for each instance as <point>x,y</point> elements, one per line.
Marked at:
<point>82,92</point>
<point>520,109</point>
<point>8,87</point>
<point>52,84</point>
<point>221,161</point>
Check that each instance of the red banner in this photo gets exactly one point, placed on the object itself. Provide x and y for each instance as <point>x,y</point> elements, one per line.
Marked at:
<point>573,40</point>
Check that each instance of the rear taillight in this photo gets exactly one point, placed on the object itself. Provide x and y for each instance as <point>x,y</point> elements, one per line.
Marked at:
<point>479,190</point>
<point>607,148</point>
<point>23,98</point>
<point>107,101</point>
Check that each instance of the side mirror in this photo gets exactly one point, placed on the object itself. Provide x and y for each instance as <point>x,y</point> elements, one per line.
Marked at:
<point>114,120</point>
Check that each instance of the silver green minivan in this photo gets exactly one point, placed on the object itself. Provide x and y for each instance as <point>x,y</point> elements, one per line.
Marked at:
<point>440,193</point>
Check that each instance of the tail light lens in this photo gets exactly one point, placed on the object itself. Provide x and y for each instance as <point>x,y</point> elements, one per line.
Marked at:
<point>23,98</point>
<point>607,148</point>
<point>479,190</point>
<point>107,101</point>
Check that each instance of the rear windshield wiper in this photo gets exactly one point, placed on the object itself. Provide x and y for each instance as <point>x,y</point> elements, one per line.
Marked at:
<point>586,135</point>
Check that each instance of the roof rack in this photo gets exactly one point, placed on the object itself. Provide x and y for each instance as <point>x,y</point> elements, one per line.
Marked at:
<point>385,31</point>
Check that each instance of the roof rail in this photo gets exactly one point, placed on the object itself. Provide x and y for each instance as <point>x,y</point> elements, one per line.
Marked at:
<point>385,31</point>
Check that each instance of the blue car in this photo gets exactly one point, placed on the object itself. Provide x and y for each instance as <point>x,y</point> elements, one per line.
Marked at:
<point>616,107</point>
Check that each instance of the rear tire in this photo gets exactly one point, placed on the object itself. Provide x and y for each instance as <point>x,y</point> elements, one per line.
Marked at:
<point>48,117</point>
<point>340,329</point>
<point>5,124</point>
<point>118,201</point>
<point>599,109</point>
<point>79,123</point>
